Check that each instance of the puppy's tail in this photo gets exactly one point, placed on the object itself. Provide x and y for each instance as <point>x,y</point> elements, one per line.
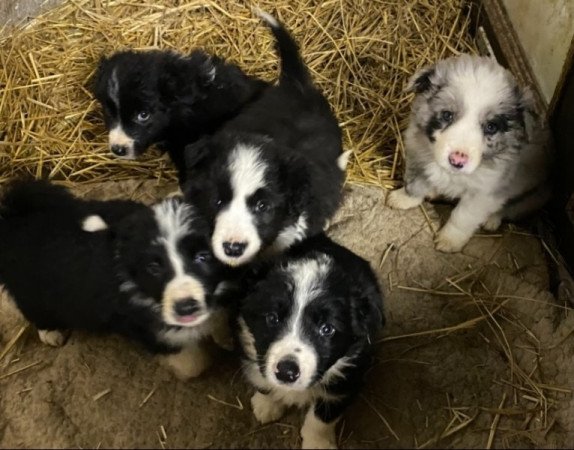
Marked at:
<point>293,69</point>
<point>23,197</point>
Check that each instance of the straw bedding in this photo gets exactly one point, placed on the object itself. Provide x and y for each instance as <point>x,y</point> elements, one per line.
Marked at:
<point>361,52</point>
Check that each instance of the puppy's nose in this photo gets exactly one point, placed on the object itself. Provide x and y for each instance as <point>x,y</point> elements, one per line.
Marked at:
<point>186,307</point>
<point>119,150</point>
<point>234,249</point>
<point>458,159</point>
<point>287,371</point>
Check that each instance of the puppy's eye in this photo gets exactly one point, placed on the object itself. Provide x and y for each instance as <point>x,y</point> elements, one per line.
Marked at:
<point>272,319</point>
<point>491,127</point>
<point>261,206</point>
<point>326,330</point>
<point>446,115</point>
<point>154,268</point>
<point>202,257</point>
<point>143,116</point>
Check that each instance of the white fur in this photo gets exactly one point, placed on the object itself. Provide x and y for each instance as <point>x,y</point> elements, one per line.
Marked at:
<point>399,199</point>
<point>117,136</point>
<point>267,17</point>
<point>54,338</point>
<point>265,408</point>
<point>235,222</point>
<point>307,276</point>
<point>174,218</point>
<point>94,223</point>
<point>291,234</point>
<point>317,434</point>
<point>343,160</point>
<point>190,362</point>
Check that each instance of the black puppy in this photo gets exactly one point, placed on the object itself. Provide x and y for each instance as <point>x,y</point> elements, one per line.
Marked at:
<point>306,327</point>
<point>161,97</point>
<point>272,175</point>
<point>118,266</point>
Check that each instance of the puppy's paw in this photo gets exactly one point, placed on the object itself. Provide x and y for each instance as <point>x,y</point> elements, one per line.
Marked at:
<point>317,441</point>
<point>190,362</point>
<point>450,240</point>
<point>94,223</point>
<point>399,199</point>
<point>493,223</point>
<point>265,409</point>
<point>53,338</point>
<point>317,434</point>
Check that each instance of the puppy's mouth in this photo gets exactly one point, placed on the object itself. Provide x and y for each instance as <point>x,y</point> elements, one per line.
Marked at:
<point>187,313</point>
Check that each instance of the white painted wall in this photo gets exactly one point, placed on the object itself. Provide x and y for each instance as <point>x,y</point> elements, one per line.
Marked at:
<point>545,29</point>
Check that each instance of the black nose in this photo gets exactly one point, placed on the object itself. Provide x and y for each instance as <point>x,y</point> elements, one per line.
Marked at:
<point>287,371</point>
<point>119,150</point>
<point>186,307</point>
<point>234,249</point>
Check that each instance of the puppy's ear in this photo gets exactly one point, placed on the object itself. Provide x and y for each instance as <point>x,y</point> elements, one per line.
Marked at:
<point>99,81</point>
<point>422,81</point>
<point>196,153</point>
<point>367,315</point>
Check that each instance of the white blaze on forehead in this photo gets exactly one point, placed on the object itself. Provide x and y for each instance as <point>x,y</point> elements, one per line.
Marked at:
<point>308,277</point>
<point>235,222</point>
<point>174,219</point>
<point>114,89</point>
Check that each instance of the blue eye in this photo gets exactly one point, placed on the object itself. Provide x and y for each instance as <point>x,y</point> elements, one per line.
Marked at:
<point>326,330</point>
<point>143,116</point>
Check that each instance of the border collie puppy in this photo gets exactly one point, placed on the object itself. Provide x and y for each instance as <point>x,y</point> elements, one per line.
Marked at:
<point>473,136</point>
<point>169,99</point>
<point>273,175</point>
<point>119,266</point>
<point>306,327</point>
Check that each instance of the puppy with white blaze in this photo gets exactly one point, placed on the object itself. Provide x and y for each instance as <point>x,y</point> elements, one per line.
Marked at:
<point>306,326</point>
<point>161,97</point>
<point>473,135</point>
<point>274,174</point>
<point>112,266</point>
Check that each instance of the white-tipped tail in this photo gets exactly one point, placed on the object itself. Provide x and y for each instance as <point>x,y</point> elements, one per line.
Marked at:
<point>94,223</point>
<point>266,17</point>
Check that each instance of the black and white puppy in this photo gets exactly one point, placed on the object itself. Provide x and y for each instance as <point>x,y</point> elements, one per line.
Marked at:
<point>306,327</point>
<point>119,266</point>
<point>473,136</point>
<point>161,97</point>
<point>272,175</point>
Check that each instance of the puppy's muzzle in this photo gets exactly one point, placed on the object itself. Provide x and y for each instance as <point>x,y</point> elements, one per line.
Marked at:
<point>287,370</point>
<point>234,249</point>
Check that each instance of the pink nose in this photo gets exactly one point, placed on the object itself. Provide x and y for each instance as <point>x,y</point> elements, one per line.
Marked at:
<point>457,159</point>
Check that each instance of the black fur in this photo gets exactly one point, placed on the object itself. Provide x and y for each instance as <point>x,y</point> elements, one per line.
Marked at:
<point>185,97</point>
<point>299,140</point>
<point>348,299</point>
<point>64,278</point>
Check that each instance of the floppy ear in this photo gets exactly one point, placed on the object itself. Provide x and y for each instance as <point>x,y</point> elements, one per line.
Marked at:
<point>197,152</point>
<point>367,316</point>
<point>421,81</point>
<point>99,82</point>
<point>294,172</point>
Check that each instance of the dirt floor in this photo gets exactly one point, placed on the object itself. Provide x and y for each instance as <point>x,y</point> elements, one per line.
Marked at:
<point>476,348</point>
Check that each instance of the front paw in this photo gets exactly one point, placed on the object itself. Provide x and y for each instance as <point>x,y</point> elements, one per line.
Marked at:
<point>399,199</point>
<point>317,442</point>
<point>190,362</point>
<point>450,240</point>
<point>493,223</point>
<point>265,408</point>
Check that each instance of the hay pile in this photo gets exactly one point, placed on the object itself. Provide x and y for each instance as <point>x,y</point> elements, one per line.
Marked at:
<point>361,52</point>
